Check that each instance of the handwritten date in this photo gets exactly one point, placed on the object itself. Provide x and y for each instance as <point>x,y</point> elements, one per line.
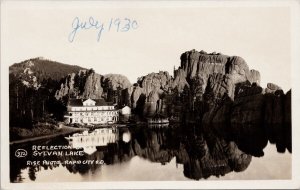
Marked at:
<point>114,24</point>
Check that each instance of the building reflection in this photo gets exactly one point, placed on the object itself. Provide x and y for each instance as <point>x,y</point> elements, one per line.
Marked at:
<point>203,152</point>
<point>102,144</point>
<point>90,140</point>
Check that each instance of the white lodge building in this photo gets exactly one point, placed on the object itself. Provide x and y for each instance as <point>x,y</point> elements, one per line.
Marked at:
<point>90,111</point>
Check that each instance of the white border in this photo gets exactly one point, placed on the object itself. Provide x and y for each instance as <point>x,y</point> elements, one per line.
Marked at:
<point>294,183</point>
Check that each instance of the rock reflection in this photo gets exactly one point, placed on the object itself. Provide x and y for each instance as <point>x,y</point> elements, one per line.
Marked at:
<point>154,144</point>
<point>208,155</point>
<point>202,151</point>
<point>202,155</point>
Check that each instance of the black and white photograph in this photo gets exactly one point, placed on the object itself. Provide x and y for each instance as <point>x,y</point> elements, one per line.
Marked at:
<point>110,94</point>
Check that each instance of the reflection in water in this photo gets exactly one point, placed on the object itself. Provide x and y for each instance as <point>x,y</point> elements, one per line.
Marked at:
<point>126,137</point>
<point>89,141</point>
<point>200,152</point>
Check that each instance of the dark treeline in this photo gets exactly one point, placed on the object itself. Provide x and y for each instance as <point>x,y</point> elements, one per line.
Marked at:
<point>28,105</point>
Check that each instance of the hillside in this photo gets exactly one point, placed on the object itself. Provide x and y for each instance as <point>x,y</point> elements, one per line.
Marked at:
<point>43,69</point>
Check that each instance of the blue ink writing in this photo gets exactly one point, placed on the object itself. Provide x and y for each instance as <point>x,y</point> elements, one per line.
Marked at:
<point>91,23</point>
<point>114,24</point>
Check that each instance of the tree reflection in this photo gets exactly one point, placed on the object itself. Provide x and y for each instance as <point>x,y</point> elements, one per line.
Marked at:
<point>202,152</point>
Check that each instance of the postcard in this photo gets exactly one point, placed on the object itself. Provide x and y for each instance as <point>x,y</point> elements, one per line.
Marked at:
<point>149,94</point>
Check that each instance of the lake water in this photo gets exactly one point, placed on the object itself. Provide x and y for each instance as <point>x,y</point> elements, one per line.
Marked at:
<point>143,153</point>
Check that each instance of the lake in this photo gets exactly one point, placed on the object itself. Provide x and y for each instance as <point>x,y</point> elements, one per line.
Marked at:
<point>144,153</point>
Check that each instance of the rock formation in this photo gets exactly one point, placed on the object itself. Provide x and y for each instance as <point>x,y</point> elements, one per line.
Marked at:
<point>179,81</point>
<point>71,86</point>
<point>88,84</point>
<point>148,91</point>
<point>115,81</point>
<point>254,77</point>
<point>137,94</point>
<point>92,88</point>
<point>214,90</point>
<point>243,110</point>
<point>155,81</point>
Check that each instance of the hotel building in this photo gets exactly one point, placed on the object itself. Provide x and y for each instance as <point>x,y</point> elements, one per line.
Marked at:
<point>88,111</point>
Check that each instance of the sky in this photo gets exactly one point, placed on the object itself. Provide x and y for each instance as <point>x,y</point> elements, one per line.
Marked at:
<point>158,34</point>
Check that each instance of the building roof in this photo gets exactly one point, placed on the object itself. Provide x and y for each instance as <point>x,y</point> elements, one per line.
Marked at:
<point>75,102</point>
<point>102,102</point>
<point>79,102</point>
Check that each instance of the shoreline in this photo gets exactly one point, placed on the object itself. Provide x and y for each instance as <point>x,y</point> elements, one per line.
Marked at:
<point>65,130</point>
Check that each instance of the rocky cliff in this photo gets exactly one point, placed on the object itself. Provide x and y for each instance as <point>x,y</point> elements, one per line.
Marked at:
<point>219,74</point>
<point>246,112</point>
<point>211,89</point>
<point>204,65</point>
<point>200,75</point>
<point>93,88</point>
<point>88,84</point>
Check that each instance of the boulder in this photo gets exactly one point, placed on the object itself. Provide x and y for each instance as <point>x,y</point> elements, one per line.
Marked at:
<point>272,88</point>
<point>254,77</point>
